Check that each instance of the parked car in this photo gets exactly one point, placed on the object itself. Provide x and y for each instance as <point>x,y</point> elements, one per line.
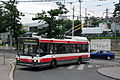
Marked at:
<point>104,54</point>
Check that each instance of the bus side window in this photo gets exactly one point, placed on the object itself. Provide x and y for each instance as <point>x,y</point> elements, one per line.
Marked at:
<point>51,48</point>
<point>61,49</point>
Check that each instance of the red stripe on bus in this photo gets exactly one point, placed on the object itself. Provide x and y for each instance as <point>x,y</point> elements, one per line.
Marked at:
<point>46,60</point>
<point>78,42</point>
<point>56,41</point>
<point>45,41</point>
<point>62,58</point>
<point>57,58</point>
<point>26,60</point>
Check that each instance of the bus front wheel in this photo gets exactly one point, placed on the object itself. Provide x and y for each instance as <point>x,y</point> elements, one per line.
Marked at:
<point>79,61</point>
<point>53,64</point>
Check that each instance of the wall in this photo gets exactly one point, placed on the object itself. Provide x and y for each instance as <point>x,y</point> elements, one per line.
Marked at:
<point>100,44</point>
<point>105,44</point>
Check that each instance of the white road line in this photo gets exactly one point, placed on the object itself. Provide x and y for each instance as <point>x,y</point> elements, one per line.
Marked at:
<point>60,67</point>
<point>13,61</point>
<point>98,66</point>
<point>81,66</point>
<point>10,59</point>
<point>71,67</point>
<point>90,66</point>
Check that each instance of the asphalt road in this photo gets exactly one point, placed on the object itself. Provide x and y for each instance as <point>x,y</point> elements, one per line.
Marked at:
<point>85,71</point>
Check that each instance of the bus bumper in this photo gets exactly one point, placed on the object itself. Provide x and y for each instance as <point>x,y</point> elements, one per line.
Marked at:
<point>31,64</point>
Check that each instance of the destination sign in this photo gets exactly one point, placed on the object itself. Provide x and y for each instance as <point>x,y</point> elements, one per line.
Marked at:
<point>29,40</point>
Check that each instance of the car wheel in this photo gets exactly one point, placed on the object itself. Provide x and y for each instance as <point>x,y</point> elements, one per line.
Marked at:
<point>108,58</point>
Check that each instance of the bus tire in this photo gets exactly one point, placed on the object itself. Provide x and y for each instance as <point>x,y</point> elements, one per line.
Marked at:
<point>53,64</point>
<point>79,61</point>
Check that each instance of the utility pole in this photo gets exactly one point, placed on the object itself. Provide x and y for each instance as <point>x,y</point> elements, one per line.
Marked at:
<point>85,12</point>
<point>80,9</point>
<point>73,22</point>
<point>107,13</point>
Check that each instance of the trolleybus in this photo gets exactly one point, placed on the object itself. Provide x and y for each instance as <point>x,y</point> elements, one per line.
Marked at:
<point>37,51</point>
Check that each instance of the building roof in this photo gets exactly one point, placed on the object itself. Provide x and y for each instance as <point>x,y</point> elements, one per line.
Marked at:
<point>94,30</point>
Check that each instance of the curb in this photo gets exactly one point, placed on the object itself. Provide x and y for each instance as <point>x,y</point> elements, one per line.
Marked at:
<point>11,70</point>
<point>106,75</point>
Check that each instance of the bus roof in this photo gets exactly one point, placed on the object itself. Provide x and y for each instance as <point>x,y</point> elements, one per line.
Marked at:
<point>77,40</point>
<point>83,40</point>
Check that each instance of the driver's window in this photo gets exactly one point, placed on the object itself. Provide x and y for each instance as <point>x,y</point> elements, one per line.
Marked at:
<point>101,51</point>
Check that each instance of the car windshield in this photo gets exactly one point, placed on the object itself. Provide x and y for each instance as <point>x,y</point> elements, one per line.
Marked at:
<point>104,52</point>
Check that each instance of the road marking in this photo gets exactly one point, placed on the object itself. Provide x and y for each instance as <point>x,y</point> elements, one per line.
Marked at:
<point>71,67</point>
<point>81,67</point>
<point>10,59</point>
<point>90,66</point>
<point>98,66</point>
<point>60,67</point>
<point>13,61</point>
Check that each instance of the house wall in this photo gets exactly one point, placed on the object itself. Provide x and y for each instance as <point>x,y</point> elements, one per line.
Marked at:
<point>105,44</point>
<point>100,44</point>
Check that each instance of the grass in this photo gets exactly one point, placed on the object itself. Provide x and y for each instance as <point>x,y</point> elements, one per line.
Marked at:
<point>2,45</point>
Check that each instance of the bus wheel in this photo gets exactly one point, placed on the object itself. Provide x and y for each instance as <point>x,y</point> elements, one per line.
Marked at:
<point>79,61</point>
<point>53,64</point>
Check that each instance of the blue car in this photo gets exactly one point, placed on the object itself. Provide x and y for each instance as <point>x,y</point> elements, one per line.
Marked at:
<point>104,54</point>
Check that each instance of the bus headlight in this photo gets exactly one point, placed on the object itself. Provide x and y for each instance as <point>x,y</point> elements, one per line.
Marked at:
<point>35,61</point>
<point>18,59</point>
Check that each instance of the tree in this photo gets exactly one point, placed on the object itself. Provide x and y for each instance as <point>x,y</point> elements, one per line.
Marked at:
<point>117,10</point>
<point>11,18</point>
<point>2,19</point>
<point>91,22</point>
<point>54,27</point>
<point>78,29</point>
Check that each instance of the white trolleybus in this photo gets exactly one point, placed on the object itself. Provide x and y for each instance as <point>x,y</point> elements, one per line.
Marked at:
<point>37,51</point>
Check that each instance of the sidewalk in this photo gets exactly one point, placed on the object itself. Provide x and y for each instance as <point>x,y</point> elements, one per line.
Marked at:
<point>112,72</point>
<point>6,70</point>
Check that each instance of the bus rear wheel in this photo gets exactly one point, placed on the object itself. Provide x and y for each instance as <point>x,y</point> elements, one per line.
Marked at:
<point>53,64</point>
<point>79,61</point>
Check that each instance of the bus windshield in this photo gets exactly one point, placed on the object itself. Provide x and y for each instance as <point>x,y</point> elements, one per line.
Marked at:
<point>28,49</point>
<point>28,46</point>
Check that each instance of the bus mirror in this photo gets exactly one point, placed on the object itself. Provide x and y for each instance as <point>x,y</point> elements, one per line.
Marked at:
<point>37,55</point>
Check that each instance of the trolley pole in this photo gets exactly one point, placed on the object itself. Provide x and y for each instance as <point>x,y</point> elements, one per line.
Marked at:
<point>73,23</point>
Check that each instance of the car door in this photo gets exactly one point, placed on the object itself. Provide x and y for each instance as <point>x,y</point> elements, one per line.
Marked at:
<point>99,54</point>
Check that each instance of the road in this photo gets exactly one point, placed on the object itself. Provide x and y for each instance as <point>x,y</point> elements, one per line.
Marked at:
<point>85,71</point>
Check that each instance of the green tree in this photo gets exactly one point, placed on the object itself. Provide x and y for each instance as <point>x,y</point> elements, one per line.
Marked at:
<point>11,19</point>
<point>54,28</point>
<point>2,19</point>
<point>78,29</point>
<point>117,10</point>
<point>91,22</point>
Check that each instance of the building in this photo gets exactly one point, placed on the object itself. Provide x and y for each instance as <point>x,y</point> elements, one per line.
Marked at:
<point>99,31</point>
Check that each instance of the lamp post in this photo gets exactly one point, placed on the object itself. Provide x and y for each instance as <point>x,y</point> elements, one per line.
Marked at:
<point>80,9</point>
<point>73,22</point>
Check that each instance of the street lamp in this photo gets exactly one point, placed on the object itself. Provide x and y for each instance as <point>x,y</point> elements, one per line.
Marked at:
<point>80,8</point>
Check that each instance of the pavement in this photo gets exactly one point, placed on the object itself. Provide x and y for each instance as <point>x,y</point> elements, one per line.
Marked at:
<point>6,66</point>
<point>7,70</point>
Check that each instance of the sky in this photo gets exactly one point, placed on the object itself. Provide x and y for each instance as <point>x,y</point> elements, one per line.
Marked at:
<point>92,7</point>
